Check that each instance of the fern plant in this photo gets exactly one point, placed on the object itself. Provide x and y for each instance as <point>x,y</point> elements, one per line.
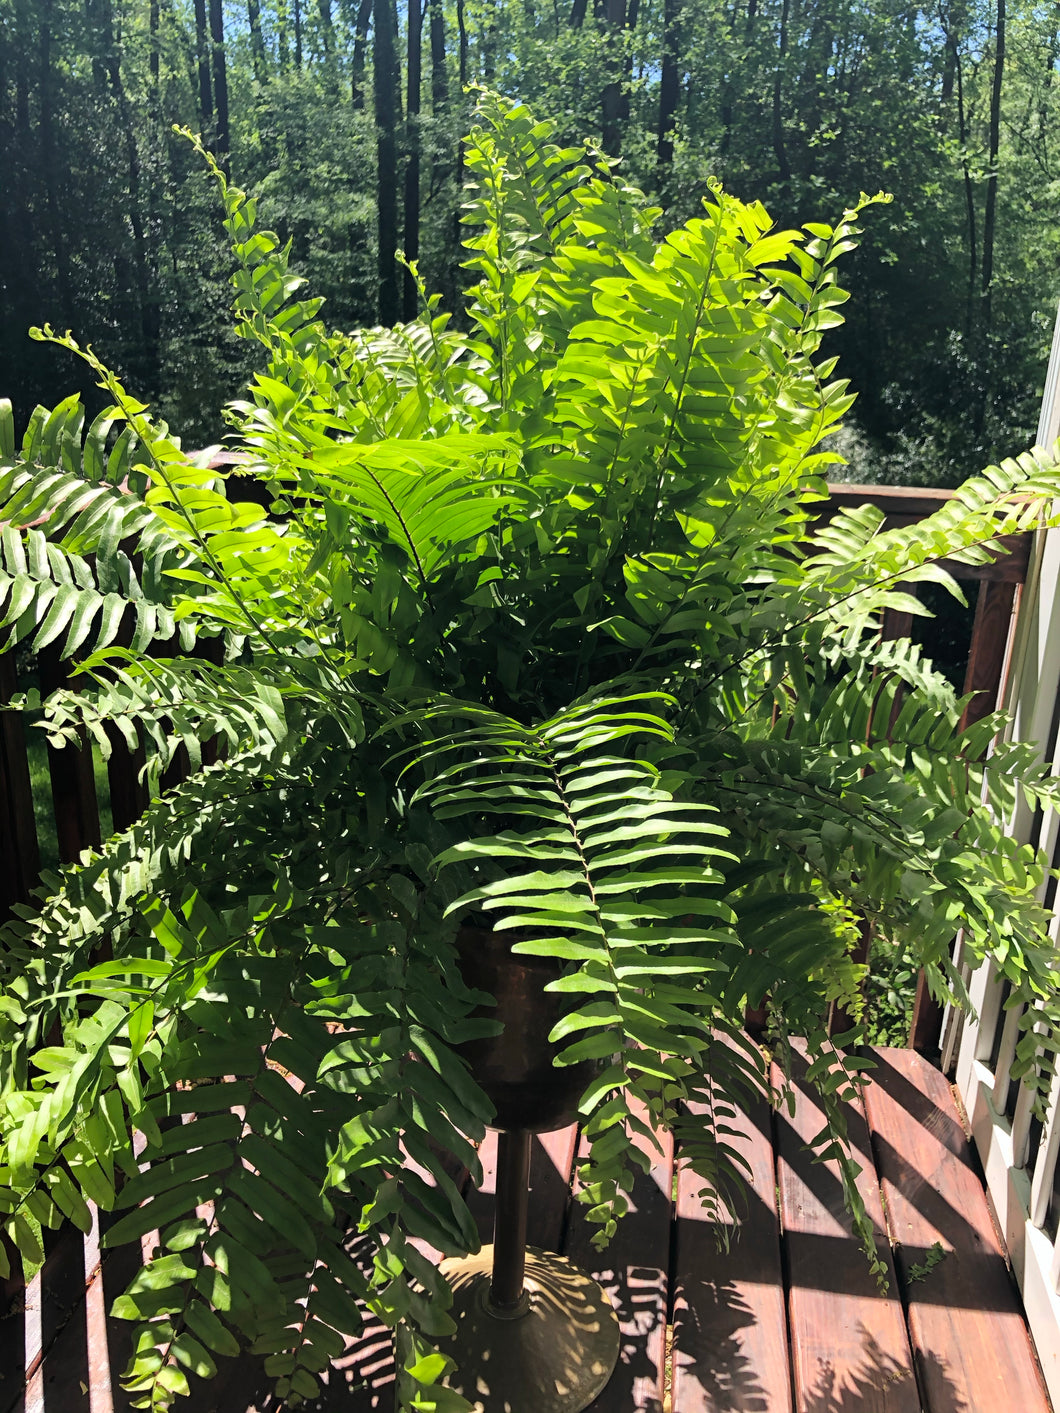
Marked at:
<point>537,631</point>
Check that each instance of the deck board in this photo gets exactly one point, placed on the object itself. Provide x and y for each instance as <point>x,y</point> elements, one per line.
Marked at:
<point>849,1342</point>
<point>730,1338</point>
<point>966,1324</point>
<point>788,1320</point>
<point>634,1270</point>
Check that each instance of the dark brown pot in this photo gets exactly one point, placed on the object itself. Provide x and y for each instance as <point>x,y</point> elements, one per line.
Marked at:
<point>516,1067</point>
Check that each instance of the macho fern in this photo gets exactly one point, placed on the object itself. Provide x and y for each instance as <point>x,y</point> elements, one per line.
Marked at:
<point>537,630</point>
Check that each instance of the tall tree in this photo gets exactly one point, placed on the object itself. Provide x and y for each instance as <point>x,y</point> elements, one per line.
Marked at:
<point>412,154</point>
<point>439,68</point>
<point>386,79</point>
<point>49,163</point>
<point>327,29</point>
<point>669,83</point>
<point>203,54</point>
<point>990,207</point>
<point>613,102</point>
<point>362,25</point>
<point>283,46</point>
<point>780,150</point>
<point>220,82</point>
<point>461,29</point>
<point>257,42</point>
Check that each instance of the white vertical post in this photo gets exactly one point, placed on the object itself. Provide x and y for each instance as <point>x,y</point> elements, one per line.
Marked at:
<point>1020,1182</point>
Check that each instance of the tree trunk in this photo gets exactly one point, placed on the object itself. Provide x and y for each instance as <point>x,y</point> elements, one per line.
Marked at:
<point>412,154</point>
<point>990,208</point>
<point>439,74</point>
<point>220,83</point>
<point>99,71</point>
<point>49,162</point>
<point>779,148</point>
<point>669,84</point>
<point>1052,53</point>
<point>202,54</point>
<point>327,28</point>
<point>953,17</point>
<point>360,49</point>
<point>488,43</point>
<point>9,208</point>
<point>949,67</point>
<point>441,166</point>
<point>283,51</point>
<point>149,357</point>
<point>386,79</point>
<point>186,45</point>
<point>154,59</point>
<point>462,51</point>
<point>969,199</point>
<point>151,308</point>
<point>298,35</point>
<point>614,100</point>
<point>22,39</point>
<point>577,13</point>
<point>395,30</point>
<point>257,44</point>
<point>22,257</point>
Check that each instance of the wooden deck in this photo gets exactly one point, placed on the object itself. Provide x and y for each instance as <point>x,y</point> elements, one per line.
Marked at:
<point>789,1319</point>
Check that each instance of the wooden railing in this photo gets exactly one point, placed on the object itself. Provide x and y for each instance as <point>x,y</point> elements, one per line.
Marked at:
<point>52,801</point>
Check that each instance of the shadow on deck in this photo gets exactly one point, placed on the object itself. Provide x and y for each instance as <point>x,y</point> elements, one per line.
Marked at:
<point>788,1320</point>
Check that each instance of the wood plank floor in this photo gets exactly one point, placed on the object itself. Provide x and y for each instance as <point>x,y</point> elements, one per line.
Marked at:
<point>788,1320</point>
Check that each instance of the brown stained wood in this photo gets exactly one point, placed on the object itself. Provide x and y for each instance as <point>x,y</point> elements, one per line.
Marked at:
<point>551,1172</point>
<point>34,1390</point>
<point>902,506</point>
<point>849,1345</point>
<point>480,1199</point>
<point>634,1271</point>
<point>969,1336</point>
<point>925,1024</point>
<point>72,778</point>
<point>987,655</point>
<point>730,1340</point>
<point>551,1167</point>
<point>69,1352</point>
<point>179,768</point>
<point>12,1353</point>
<point>101,1378</point>
<point>914,502</point>
<point>897,622</point>
<point>128,793</point>
<point>988,649</point>
<point>19,862</point>
<point>52,1332</point>
<point>731,1351</point>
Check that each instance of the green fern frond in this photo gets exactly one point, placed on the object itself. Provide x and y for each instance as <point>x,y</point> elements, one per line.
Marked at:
<point>646,937</point>
<point>434,499</point>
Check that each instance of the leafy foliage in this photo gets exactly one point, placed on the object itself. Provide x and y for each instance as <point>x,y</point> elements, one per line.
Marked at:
<point>537,630</point>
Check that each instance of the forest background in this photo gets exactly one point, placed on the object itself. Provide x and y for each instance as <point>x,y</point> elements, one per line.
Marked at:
<point>347,115</point>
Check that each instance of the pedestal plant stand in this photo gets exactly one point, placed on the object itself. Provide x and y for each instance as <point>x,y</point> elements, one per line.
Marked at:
<point>533,1333</point>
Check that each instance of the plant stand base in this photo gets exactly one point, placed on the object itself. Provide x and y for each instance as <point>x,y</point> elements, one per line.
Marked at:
<point>551,1353</point>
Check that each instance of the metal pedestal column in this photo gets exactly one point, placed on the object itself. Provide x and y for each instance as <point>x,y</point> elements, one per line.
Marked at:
<point>533,1333</point>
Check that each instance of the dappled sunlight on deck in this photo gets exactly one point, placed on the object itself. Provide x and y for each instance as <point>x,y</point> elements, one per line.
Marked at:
<point>789,1319</point>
